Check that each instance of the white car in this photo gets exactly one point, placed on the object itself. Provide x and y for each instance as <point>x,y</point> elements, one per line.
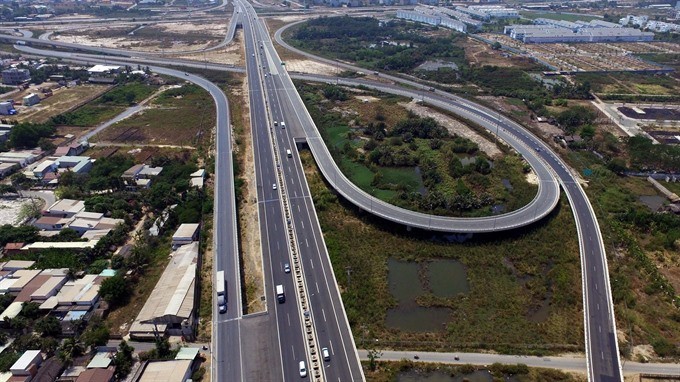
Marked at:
<point>286,268</point>
<point>303,369</point>
<point>326,355</point>
<point>274,186</point>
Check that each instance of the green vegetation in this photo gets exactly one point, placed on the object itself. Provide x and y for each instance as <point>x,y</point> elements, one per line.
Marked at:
<point>411,161</point>
<point>389,372</point>
<point>645,155</point>
<point>115,290</point>
<point>6,89</point>
<point>106,106</point>
<point>400,46</point>
<point>641,244</point>
<point>29,135</point>
<point>630,87</point>
<point>511,275</point>
<point>397,45</point>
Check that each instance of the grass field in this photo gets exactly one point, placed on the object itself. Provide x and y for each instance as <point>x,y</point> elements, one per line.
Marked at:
<point>107,106</point>
<point>62,101</point>
<point>510,276</point>
<point>390,371</point>
<point>642,263</point>
<point>184,116</point>
<point>119,320</point>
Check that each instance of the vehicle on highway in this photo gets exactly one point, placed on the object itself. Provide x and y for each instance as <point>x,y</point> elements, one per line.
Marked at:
<point>280,295</point>
<point>273,186</point>
<point>286,268</point>
<point>289,153</point>
<point>220,287</point>
<point>303,369</point>
<point>283,125</point>
<point>326,355</point>
<point>253,54</point>
<point>276,123</point>
<point>265,75</point>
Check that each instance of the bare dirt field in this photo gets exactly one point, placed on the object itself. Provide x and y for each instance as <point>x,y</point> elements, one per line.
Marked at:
<point>309,66</point>
<point>140,154</point>
<point>229,55</point>
<point>186,121</point>
<point>10,210</point>
<point>455,127</point>
<point>155,38</point>
<point>480,53</point>
<point>591,56</point>
<point>249,217</point>
<point>63,100</point>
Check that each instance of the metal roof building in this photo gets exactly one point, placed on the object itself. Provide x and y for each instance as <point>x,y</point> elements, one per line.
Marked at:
<point>170,307</point>
<point>166,371</point>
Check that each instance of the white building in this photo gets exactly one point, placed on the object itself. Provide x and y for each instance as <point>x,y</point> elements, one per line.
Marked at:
<point>185,234</point>
<point>31,99</point>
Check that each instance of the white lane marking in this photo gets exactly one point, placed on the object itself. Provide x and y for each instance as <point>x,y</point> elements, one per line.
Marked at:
<point>288,315</point>
<point>317,287</point>
<point>324,314</point>
<point>307,242</point>
<point>311,262</point>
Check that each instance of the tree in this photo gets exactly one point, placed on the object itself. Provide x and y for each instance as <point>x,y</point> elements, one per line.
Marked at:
<point>496,45</point>
<point>115,290</point>
<point>68,350</point>
<point>48,326</point>
<point>575,117</point>
<point>30,310</point>
<point>588,132</point>
<point>27,135</point>
<point>123,359</point>
<point>373,355</point>
<point>97,334</point>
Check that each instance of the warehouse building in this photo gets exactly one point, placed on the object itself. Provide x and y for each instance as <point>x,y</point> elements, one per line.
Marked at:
<point>557,31</point>
<point>170,309</point>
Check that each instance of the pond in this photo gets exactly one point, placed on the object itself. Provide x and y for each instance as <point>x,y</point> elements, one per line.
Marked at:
<point>446,278</point>
<point>653,202</point>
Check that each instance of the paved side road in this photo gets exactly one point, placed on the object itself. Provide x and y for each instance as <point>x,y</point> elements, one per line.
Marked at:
<point>566,363</point>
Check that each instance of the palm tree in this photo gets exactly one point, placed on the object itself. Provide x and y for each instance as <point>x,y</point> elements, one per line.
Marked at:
<point>69,349</point>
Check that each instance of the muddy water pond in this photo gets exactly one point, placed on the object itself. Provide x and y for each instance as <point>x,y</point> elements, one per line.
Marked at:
<point>444,278</point>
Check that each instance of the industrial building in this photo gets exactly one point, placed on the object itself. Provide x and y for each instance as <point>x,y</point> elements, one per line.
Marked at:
<point>558,31</point>
<point>432,17</point>
<point>14,76</point>
<point>170,309</point>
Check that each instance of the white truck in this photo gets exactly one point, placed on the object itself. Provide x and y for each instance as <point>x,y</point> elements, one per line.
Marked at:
<point>220,287</point>
<point>280,296</point>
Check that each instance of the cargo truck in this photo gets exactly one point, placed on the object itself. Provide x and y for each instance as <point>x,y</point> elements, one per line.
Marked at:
<point>280,296</point>
<point>220,287</point>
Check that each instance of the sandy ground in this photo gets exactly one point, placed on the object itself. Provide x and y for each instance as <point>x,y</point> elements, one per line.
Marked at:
<point>250,232</point>
<point>309,66</point>
<point>230,55</point>
<point>217,30</point>
<point>455,127</point>
<point>10,209</point>
<point>532,178</point>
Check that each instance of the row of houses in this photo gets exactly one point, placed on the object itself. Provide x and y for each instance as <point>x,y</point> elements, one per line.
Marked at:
<point>69,213</point>
<point>56,294</point>
<point>33,367</point>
